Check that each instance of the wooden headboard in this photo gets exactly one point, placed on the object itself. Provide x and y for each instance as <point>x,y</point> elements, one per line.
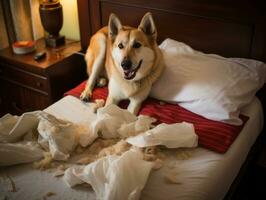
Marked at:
<point>229,28</point>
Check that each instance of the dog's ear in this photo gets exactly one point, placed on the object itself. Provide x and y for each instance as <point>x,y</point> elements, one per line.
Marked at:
<point>147,26</point>
<point>114,26</point>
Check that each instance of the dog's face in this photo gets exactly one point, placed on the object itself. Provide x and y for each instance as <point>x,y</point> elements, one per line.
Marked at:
<point>133,48</point>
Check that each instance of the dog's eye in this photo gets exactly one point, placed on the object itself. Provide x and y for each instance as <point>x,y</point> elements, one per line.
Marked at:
<point>120,46</point>
<point>136,45</point>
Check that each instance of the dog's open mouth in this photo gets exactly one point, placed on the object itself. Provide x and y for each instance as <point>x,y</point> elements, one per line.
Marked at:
<point>131,73</point>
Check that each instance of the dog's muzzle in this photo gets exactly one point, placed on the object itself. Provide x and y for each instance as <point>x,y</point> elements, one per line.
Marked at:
<point>126,64</point>
<point>131,73</point>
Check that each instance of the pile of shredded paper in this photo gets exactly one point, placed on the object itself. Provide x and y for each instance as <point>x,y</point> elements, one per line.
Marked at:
<point>112,150</point>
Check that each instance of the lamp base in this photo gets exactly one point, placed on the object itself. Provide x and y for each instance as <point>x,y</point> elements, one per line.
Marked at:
<point>55,41</point>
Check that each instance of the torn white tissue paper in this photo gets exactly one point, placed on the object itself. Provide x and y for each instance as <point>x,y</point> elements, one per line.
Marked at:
<point>115,111</point>
<point>77,112</point>
<point>113,177</point>
<point>7,122</point>
<point>12,128</point>
<point>113,122</point>
<point>109,119</point>
<point>142,124</point>
<point>86,134</point>
<point>60,136</point>
<point>17,153</point>
<point>170,135</point>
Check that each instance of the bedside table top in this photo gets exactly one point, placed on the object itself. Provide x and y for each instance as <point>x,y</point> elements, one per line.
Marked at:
<point>53,55</point>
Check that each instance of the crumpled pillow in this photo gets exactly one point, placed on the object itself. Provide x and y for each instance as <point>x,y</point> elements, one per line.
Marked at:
<point>206,84</point>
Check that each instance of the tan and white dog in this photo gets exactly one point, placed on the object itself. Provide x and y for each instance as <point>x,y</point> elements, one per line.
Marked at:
<point>131,59</point>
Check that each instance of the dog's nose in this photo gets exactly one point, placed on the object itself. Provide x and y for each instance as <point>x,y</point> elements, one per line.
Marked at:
<point>126,64</point>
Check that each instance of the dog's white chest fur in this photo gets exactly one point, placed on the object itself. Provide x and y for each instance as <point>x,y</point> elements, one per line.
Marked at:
<point>115,89</point>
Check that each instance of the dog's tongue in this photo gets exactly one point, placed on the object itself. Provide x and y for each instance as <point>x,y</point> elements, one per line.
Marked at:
<point>129,74</point>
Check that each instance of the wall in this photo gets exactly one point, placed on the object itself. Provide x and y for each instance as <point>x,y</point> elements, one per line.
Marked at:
<point>70,27</point>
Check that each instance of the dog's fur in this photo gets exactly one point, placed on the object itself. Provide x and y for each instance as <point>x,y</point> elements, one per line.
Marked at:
<point>131,58</point>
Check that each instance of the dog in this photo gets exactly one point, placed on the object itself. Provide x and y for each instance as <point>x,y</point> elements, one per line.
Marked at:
<point>130,57</point>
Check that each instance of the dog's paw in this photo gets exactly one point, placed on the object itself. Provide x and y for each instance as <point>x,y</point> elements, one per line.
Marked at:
<point>85,96</point>
<point>101,82</point>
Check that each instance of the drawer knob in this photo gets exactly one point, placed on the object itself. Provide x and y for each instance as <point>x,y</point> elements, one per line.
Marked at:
<point>38,84</point>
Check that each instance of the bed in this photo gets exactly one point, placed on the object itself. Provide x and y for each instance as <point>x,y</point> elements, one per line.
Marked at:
<point>231,30</point>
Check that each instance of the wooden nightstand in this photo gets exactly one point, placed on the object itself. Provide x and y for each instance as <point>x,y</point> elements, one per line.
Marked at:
<point>27,85</point>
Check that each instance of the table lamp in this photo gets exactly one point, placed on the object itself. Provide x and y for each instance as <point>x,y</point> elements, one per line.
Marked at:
<point>51,14</point>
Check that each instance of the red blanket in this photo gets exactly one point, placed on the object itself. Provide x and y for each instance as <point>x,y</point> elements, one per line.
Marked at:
<point>214,135</point>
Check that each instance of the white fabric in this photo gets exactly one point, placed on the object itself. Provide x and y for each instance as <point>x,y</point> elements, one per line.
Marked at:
<point>109,120</point>
<point>170,135</point>
<point>113,177</point>
<point>141,125</point>
<point>79,114</point>
<point>123,177</point>
<point>22,152</point>
<point>108,176</point>
<point>60,137</point>
<point>114,122</point>
<point>205,175</point>
<point>206,84</point>
<point>12,128</point>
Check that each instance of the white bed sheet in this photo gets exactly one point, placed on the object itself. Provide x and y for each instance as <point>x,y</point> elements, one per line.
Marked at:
<point>204,175</point>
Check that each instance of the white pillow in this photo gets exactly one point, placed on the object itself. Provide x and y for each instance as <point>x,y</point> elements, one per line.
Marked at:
<point>207,84</point>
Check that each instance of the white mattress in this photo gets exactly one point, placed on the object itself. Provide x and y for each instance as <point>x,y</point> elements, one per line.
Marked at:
<point>204,175</point>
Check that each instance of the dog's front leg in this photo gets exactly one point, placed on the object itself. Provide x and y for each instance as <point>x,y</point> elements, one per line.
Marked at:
<point>111,100</point>
<point>134,106</point>
<point>137,99</point>
<point>95,59</point>
<point>115,94</point>
<point>87,92</point>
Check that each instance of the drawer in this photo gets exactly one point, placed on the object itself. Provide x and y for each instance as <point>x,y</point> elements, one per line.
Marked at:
<point>24,78</point>
<point>21,99</point>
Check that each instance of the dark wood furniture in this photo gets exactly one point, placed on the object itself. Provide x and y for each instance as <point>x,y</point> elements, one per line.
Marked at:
<point>229,28</point>
<point>27,85</point>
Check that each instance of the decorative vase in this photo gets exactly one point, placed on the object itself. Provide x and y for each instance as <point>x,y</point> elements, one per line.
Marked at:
<point>51,14</point>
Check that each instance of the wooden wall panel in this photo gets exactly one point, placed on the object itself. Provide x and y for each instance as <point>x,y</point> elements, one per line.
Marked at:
<point>230,28</point>
<point>206,34</point>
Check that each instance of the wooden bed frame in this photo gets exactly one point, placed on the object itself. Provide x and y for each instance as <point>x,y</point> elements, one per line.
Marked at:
<point>229,28</point>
